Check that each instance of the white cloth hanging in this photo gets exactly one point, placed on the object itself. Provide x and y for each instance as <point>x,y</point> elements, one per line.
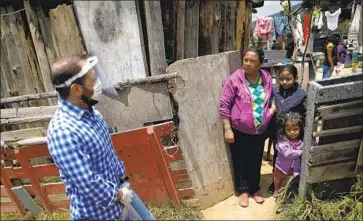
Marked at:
<point>299,33</point>
<point>356,19</point>
<point>318,21</point>
<point>332,19</point>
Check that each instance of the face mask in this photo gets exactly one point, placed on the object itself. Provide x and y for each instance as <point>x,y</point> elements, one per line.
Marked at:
<point>97,91</point>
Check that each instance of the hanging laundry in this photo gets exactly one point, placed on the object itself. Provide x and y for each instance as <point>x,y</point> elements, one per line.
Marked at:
<point>318,18</point>
<point>282,26</point>
<point>320,21</point>
<point>332,19</point>
<point>299,33</point>
<point>263,27</point>
<point>356,19</point>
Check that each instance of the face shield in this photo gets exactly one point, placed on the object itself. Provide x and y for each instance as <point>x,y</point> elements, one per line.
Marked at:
<point>102,79</point>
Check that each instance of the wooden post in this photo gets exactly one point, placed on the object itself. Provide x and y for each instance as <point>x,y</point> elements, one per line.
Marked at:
<point>206,28</point>
<point>39,47</point>
<point>241,10</point>
<point>155,35</point>
<point>231,25</point>
<point>191,28</point>
<point>180,26</point>
<point>216,26</point>
<point>359,164</point>
<point>247,27</point>
<point>310,126</point>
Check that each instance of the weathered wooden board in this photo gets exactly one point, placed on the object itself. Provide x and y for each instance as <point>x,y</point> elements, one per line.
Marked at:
<point>241,9</point>
<point>216,26</point>
<point>191,28</point>
<point>11,136</point>
<point>332,172</point>
<point>230,32</point>
<point>27,112</point>
<point>110,30</point>
<point>205,27</point>
<point>204,149</point>
<point>336,152</point>
<point>180,29</point>
<point>137,105</point>
<point>66,36</point>
<point>155,35</point>
<point>39,46</point>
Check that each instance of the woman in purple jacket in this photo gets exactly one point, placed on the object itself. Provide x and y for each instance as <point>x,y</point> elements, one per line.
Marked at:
<point>246,109</point>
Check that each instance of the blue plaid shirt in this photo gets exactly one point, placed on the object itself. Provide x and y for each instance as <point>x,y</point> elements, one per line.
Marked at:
<point>80,145</point>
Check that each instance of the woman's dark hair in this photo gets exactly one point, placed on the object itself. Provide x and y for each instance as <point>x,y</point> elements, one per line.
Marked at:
<point>258,52</point>
<point>290,68</point>
<point>291,118</point>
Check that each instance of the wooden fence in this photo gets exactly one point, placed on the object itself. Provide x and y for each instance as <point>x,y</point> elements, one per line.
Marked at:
<point>333,132</point>
<point>150,166</point>
<point>35,33</point>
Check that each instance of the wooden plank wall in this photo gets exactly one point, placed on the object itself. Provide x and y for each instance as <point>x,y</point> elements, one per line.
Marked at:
<point>207,27</point>
<point>333,131</point>
<point>30,42</point>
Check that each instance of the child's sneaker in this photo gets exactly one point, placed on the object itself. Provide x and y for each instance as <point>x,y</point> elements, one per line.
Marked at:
<point>276,194</point>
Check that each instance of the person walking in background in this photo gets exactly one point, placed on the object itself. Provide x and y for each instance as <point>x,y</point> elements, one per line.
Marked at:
<point>289,147</point>
<point>342,52</point>
<point>288,97</point>
<point>246,109</point>
<point>81,147</point>
<point>330,55</point>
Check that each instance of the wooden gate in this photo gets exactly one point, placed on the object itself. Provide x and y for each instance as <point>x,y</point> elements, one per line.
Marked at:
<point>333,131</point>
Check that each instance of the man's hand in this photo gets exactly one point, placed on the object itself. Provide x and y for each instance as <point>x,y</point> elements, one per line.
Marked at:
<point>229,136</point>
<point>331,69</point>
<point>125,195</point>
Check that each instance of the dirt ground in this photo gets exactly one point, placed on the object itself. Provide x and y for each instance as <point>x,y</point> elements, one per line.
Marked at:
<point>230,210</point>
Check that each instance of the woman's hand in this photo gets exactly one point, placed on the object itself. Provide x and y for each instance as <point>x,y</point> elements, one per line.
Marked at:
<point>229,136</point>
<point>331,69</point>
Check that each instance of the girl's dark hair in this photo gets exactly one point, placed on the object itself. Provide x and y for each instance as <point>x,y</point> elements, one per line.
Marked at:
<point>291,118</point>
<point>290,68</point>
<point>259,52</point>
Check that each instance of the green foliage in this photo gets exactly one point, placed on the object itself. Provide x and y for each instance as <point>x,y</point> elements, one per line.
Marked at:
<point>346,206</point>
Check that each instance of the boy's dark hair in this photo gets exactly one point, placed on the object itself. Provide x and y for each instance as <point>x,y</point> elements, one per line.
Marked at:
<point>291,118</point>
<point>259,52</point>
<point>65,68</point>
<point>290,68</point>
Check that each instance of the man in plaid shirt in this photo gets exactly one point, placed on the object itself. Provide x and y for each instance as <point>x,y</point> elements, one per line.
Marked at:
<point>80,145</point>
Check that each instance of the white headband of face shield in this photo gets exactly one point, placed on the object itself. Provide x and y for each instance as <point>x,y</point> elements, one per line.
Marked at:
<point>90,63</point>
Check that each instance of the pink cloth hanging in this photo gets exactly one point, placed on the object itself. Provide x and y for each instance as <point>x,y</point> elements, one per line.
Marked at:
<point>263,27</point>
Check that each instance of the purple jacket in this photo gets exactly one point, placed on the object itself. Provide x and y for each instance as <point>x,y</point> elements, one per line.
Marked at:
<point>236,103</point>
<point>288,157</point>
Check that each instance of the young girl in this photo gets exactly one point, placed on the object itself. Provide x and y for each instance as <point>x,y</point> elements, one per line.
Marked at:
<point>289,147</point>
<point>288,97</point>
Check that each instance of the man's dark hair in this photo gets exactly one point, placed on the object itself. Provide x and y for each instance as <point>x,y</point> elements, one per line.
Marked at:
<point>65,68</point>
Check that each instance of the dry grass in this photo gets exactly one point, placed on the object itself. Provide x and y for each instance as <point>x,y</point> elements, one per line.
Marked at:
<point>160,213</point>
<point>346,206</point>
